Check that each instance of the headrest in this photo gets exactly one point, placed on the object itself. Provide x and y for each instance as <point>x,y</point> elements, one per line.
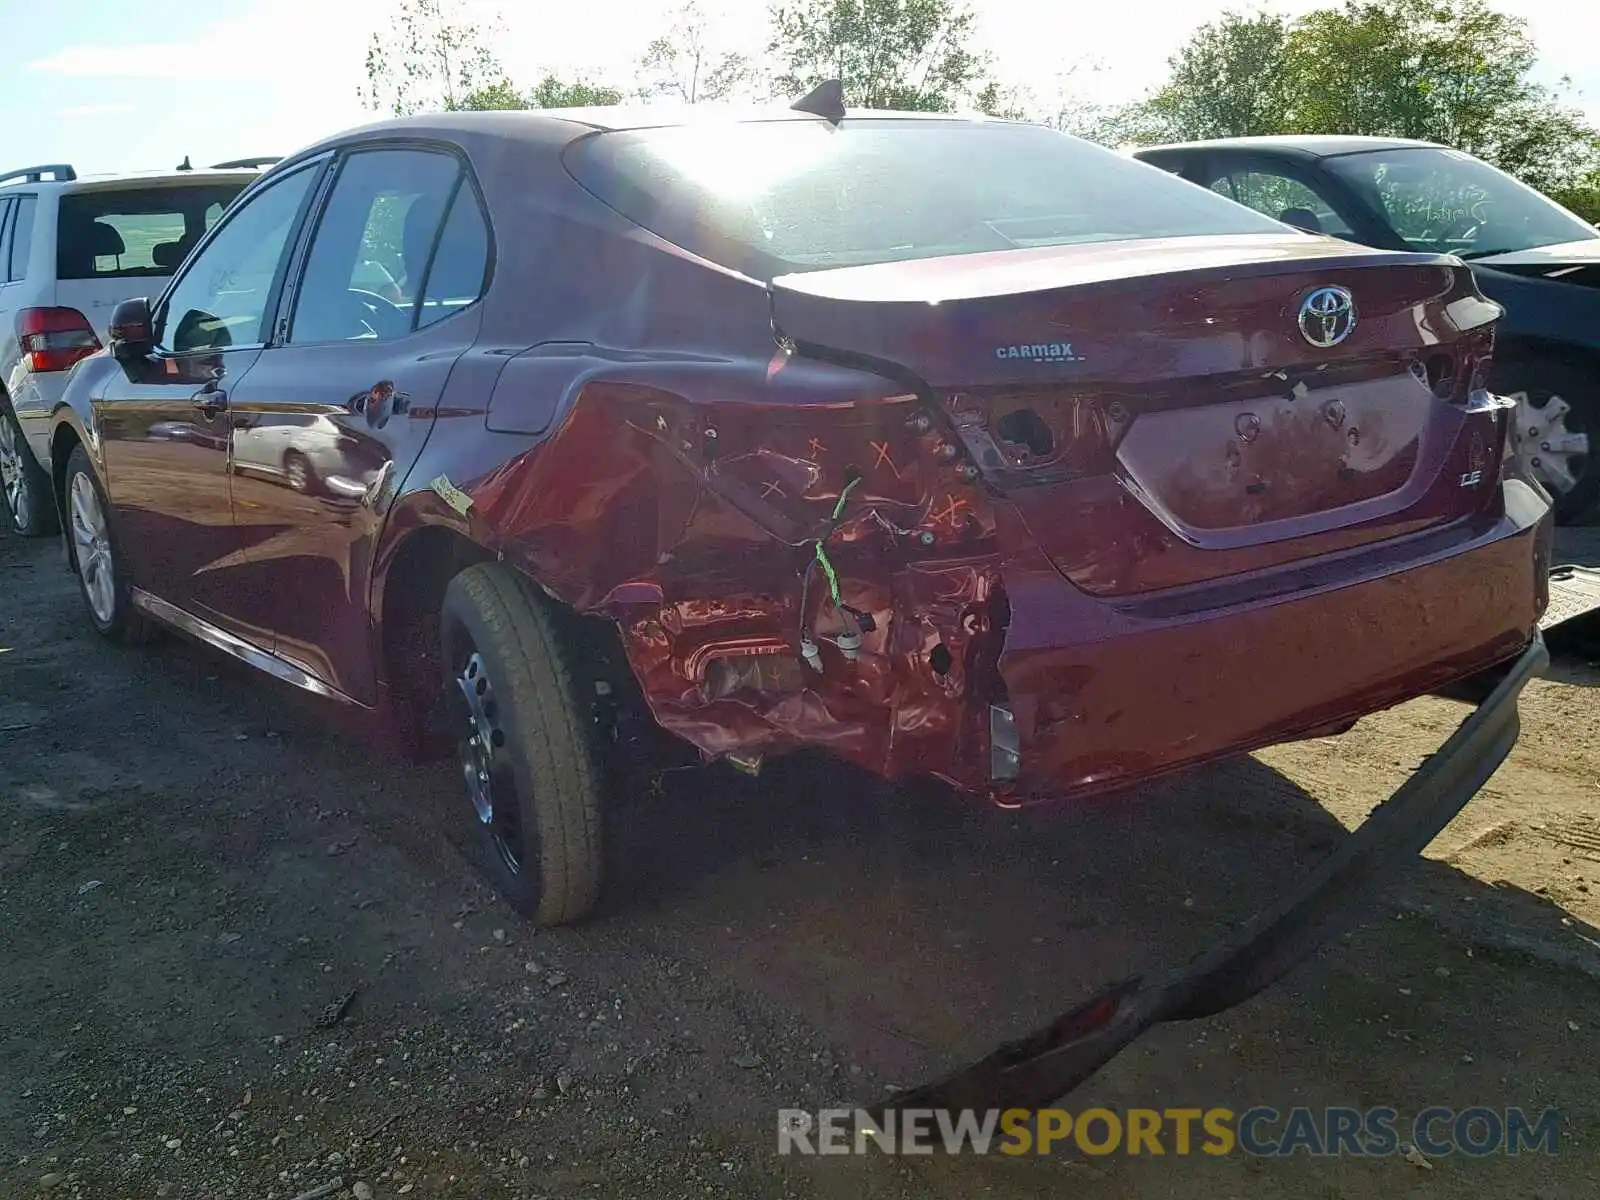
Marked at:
<point>167,255</point>
<point>105,241</point>
<point>1301,218</point>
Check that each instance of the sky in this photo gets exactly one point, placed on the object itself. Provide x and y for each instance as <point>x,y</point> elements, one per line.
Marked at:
<point>112,86</point>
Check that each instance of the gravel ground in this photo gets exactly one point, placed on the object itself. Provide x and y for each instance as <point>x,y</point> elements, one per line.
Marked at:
<point>243,957</point>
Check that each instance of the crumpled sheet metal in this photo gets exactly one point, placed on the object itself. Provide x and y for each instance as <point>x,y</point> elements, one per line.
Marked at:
<point>693,525</point>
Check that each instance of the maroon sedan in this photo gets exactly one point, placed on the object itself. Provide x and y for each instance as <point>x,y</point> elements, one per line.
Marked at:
<point>957,447</point>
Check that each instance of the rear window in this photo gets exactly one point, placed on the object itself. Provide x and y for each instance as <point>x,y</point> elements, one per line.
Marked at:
<point>137,232</point>
<point>771,197</point>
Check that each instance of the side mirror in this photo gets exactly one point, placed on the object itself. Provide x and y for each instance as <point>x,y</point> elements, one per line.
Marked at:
<point>131,333</point>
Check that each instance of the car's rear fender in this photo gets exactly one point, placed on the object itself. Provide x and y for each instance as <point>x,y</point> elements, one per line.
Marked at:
<point>690,516</point>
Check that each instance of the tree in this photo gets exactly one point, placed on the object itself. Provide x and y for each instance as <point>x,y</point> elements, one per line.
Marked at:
<point>684,64</point>
<point>1582,196</point>
<point>1230,80</point>
<point>1007,103</point>
<point>501,94</point>
<point>432,56</point>
<point>553,92</point>
<point>905,54</point>
<point>1450,71</point>
<point>1068,109</point>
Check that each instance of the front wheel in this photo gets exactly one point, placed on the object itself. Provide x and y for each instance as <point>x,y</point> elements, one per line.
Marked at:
<point>1558,416</point>
<point>527,743</point>
<point>101,565</point>
<point>297,471</point>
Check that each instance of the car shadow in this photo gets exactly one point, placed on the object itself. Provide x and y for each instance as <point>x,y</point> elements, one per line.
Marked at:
<point>924,925</point>
<point>916,926</point>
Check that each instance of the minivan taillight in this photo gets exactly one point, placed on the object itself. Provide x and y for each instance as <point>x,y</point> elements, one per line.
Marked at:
<point>53,339</point>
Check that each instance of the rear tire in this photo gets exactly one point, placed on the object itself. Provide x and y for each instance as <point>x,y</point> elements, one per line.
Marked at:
<point>98,558</point>
<point>29,502</point>
<point>527,742</point>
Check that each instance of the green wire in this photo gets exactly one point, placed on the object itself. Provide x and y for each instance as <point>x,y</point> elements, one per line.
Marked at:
<point>822,555</point>
<point>838,509</point>
<point>827,568</point>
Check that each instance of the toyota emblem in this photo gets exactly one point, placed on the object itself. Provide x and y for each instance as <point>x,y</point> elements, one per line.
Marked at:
<point>1327,316</point>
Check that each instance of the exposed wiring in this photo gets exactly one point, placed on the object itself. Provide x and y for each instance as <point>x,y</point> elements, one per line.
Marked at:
<point>822,553</point>
<point>838,509</point>
<point>820,558</point>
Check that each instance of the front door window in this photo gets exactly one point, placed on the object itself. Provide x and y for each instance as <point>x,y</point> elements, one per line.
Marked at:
<point>222,300</point>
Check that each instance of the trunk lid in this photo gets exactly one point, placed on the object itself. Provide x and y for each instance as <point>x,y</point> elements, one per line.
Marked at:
<point>1164,412</point>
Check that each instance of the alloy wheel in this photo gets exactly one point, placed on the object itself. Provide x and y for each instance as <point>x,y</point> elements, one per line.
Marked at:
<point>485,766</point>
<point>92,540</point>
<point>12,472</point>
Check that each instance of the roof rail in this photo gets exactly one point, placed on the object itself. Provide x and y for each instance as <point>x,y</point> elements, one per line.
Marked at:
<point>58,172</point>
<point>247,164</point>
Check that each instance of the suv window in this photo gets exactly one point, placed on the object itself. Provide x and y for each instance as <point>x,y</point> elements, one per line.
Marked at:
<point>768,197</point>
<point>127,233</point>
<point>221,299</point>
<point>369,257</point>
<point>1283,198</point>
<point>5,233</point>
<point>21,235</point>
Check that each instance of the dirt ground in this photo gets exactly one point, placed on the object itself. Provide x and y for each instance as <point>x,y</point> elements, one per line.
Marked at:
<point>192,870</point>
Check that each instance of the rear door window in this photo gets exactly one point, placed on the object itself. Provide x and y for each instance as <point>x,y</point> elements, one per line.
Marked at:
<point>455,278</point>
<point>21,237</point>
<point>366,273</point>
<point>1283,197</point>
<point>131,233</point>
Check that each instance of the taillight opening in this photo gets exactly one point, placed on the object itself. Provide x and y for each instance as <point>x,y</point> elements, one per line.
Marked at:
<point>1027,438</point>
<point>53,339</point>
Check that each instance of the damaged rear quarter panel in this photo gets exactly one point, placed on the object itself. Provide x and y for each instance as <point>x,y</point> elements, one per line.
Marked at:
<point>690,515</point>
<point>678,487</point>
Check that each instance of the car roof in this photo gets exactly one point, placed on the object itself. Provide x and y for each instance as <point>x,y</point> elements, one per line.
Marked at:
<point>1304,145</point>
<point>558,126</point>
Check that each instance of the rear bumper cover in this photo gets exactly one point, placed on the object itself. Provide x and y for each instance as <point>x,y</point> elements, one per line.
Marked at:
<point>1036,1070</point>
<point>33,398</point>
<point>1103,695</point>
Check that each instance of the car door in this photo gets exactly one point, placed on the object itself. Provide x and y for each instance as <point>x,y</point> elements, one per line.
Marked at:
<point>1282,191</point>
<point>334,414</point>
<point>163,423</point>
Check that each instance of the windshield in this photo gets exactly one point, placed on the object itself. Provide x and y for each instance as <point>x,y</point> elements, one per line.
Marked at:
<point>1447,201</point>
<point>772,197</point>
